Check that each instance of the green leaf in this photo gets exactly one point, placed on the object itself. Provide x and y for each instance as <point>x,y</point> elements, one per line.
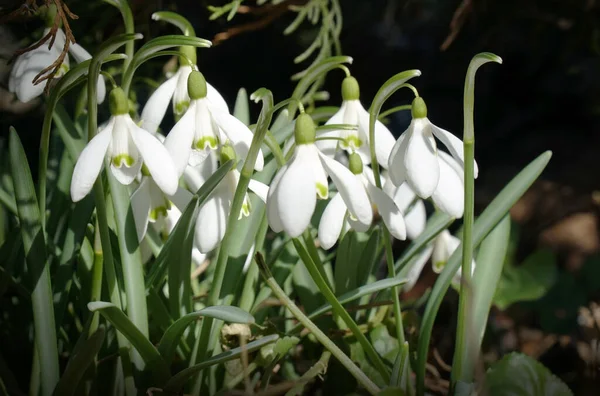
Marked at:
<point>171,337</point>
<point>401,371</point>
<point>526,282</point>
<point>385,345</point>
<point>79,362</point>
<point>177,20</point>
<point>518,374</point>
<point>491,216</point>
<point>34,246</point>
<point>147,351</point>
<point>178,380</point>
<point>241,109</point>
<point>392,391</point>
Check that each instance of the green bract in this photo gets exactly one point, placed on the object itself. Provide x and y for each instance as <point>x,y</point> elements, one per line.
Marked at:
<point>304,131</point>
<point>350,89</point>
<point>419,108</point>
<point>196,85</point>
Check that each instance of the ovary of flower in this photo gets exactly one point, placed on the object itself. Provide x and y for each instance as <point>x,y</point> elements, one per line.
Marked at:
<point>414,157</point>
<point>31,63</point>
<point>205,127</point>
<point>126,146</point>
<point>213,215</point>
<point>444,245</point>
<point>352,112</point>
<point>293,195</point>
<point>333,219</point>
<point>175,90</point>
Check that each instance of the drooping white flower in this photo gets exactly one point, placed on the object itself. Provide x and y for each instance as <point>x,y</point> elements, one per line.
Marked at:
<point>211,223</point>
<point>175,90</point>
<point>335,214</point>
<point>352,112</point>
<point>294,190</point>
<point>126,146</point>
<point>28,65</point>
<point>205,127</point>
<point>415,159</point>
<point>443,247</point>
<point>411,206</point>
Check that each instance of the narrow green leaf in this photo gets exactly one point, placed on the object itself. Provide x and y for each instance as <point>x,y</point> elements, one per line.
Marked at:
<point>79,363</point>
<point>170,339</point>
<point>241,109</point>
<point>178,380</point>
<point>34,246</point>
<point>491,216</point>
<point>401,371</point>
<point>177,20</point>
<point>121,322</point>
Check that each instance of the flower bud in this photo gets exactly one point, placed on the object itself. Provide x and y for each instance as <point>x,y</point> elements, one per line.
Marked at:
<point>196,85</point>
<point>350,89</point>
<point>117,102</point>
<point>227,153</point>
<point>356,164</point>
<point>419,108</point>
<point>304,132</point>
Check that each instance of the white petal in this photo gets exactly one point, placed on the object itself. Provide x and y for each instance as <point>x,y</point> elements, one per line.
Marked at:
<point>272,203</point>
<point>181,198</point>
<point>391,215</point>
<point>79,53</point>
<point>332,221</point>
<point>351,188</point>
<point>197,257</point>
<point>181,98</point>
<point>296,193</point>
<point>179,140</point>
<point>384,140</point>
<point>420,161</point>
<point>443,247</point>
<point>404,196</point>
<point>140,206</point>
<point>156,106</point>
<point>260,189</point>
<point>417,267</point>
<point>215,98</point>
<point>90,163</point>
<point>454,145</point>
<point>126,175</point>
<point>449,195</point>
<point>101,89</point>
<point>239,135</point>
<point>329,146</point>
<point>415,220</point>
<point>212,221</point>
<point>396,168</point>
<point>156,157</point>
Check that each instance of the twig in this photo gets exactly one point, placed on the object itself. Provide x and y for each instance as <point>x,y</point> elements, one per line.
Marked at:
<point>458,20</point>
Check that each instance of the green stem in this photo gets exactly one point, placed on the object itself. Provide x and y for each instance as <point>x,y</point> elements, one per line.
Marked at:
<point>463,366</point>
<point>319,335</point>
<point>129,28</point>
<point>339,310</point>
<point>96,277</point>
<point>314,255</point>
<point>275,149</point>
<point>394,110</point>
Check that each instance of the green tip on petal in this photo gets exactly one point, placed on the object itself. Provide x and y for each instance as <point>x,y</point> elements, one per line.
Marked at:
<point>419,108</point>
<point>118,102</point>
<point>350,89</point>
<point>356,164</point>
<point>196,85</point>
<point>227,153</point>
<point>304,132</point>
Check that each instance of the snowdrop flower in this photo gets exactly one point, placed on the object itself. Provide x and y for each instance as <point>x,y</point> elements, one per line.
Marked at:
<point>205,127</point>
<point>175,90</point>
<point>334,215</point>
<point>127,147</point>
<point>413,208</point>
<point>352,112</point>
<point>294,190</point>
<point>28,65</point>
<point>213,214</point>
<point>415,159</point>
<point>444,245</point>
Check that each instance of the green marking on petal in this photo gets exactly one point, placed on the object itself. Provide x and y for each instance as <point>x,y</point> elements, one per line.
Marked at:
<point>245,209</point>
<point>157,212</point>
<point>145,171</point>
<point>351,142</point>
<point>438,266</point>
<point>180,109</point>
<point>123,159</point>
<point>64,68</point>
<point>322,191</point>
<point>206,142</point>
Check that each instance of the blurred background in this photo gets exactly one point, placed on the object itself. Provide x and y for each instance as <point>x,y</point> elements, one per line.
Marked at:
<point>546,96</point>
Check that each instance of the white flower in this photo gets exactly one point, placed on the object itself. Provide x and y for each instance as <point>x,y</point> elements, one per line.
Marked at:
<point>443,247</point>
<point>352,112</point>
<point>126,146</point>
<point>211,223</point>
<point>293,195</point>
<point>414,158</point>
<point>175,90</point>
<point>413,208</point>
<point>31,63</point>
<point>332,221</point>
<point>205,127</point>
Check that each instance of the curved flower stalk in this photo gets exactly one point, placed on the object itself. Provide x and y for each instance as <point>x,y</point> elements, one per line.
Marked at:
<point>335,215</point>
<point>28,65</point>
<point>204,128</point>
<point>414,157</point>
<point>175,90</point>
<point>211,223</point>
<point>127,147</point>
<point>352,112</point>
<point>294,190</point>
